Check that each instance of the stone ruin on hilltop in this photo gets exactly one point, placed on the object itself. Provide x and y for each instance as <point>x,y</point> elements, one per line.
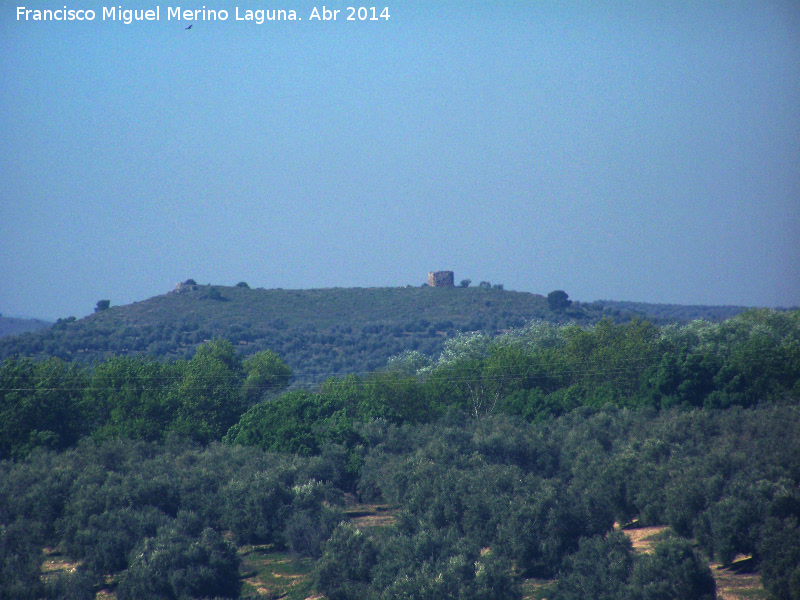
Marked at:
<point>441,279</point>
<point>185,286</point>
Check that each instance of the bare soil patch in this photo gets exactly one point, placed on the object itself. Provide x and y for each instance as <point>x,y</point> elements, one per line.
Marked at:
<point>366,516</point>
<point>274,575</point>
<point>644,538</point>
<point>537,589</point>
<point>739,581</point>
<point>55,562</point>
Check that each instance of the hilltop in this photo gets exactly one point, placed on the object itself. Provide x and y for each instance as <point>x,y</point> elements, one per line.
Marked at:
<point>318,332</point>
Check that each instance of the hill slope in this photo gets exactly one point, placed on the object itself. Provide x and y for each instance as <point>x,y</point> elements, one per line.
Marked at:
<point>318,332</point>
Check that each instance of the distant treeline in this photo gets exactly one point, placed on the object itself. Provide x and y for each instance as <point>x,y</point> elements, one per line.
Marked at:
<point>319,333</point>
<point>537,372</point>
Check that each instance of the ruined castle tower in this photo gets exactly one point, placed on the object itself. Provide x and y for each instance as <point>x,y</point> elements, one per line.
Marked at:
<point>441,279</point>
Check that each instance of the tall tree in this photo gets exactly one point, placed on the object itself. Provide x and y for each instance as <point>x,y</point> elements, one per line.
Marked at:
<point>558,300</point>
<point>209,397</point>
<point>266,374</point>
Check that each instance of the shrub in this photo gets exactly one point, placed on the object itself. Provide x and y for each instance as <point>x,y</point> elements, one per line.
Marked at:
<point>780,551</point>
<point>173,565</point>
<point>673,571</point>
<point>606,569</point>
<point>255,508</point>
<point>104,540</point>
<point>20,559</point>
<point>77,585</point>
<point>343,572</point>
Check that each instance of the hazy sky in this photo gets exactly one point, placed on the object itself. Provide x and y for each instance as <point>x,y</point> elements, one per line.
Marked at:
<point>644,151</point>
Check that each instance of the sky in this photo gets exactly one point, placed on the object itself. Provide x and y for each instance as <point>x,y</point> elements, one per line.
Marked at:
<point>642,151</point>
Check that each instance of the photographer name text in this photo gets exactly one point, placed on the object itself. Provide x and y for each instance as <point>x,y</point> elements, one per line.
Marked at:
<point>176,13</point>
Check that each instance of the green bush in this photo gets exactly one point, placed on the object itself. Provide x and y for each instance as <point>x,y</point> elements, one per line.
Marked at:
<point>40,405</point>
<point>599,570</point>
<point>673,571</point>
<point>607,569</point>
<point>256,507</point>
<point>20,562</point>
<point>780,552</point>
<point>175,566</point>
<point>343,571</point>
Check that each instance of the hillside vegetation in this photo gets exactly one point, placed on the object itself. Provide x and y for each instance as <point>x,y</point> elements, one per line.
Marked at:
<point>504,458</point>
<point>321,332</point>
<point>481,505</point>
<point>535,373</point>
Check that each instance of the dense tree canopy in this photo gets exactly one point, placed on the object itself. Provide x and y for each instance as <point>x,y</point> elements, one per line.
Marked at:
<point>474,497</point>
<point>536,373</point>
<point>53,404</point>
<point>504,458</point>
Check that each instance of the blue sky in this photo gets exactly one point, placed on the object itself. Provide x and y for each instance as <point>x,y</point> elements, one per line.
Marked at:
<point>645,151</point>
